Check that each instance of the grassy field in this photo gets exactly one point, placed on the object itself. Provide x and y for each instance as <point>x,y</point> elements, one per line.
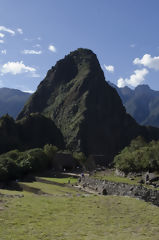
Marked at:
<point>71,180</point>
<point>113,178</point>
<point>68,214</point>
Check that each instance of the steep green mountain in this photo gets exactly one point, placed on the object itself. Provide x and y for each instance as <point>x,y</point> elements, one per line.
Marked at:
<point>31,131</point>
<point>142,103</point>
<point>87,110</point>
<point>12,101</point>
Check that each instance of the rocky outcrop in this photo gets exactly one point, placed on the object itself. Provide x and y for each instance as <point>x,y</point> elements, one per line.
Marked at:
<point>121,189</point>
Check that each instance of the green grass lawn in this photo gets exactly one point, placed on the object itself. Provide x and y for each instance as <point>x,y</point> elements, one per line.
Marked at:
<point>70,180</point>
<point>75,216</point>
<point>52,189</point>
<point>113,178</point>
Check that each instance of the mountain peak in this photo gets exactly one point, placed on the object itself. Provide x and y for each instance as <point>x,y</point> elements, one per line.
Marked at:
<point>78,71</point>
<point>82,52</point>
<point>142,87</point>
<point>74,64</point>
<point>87,110</point>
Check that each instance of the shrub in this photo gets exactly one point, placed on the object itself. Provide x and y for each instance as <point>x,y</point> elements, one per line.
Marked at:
<point>139,156</point>
<point>15,164</point>
<point>50,152</point>
<point>35,159</point>
<point>8,168</point>
<point>80,156</point>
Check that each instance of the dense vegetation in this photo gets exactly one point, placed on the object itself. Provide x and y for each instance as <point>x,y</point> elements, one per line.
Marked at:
<point>15,164</point>
<point>32,131</point>
<point>138,156</point>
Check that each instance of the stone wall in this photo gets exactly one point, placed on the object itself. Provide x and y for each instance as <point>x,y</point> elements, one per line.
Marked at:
<point>121,189</point>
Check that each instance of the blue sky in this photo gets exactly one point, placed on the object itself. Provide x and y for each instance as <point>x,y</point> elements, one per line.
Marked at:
<point>35,34</point>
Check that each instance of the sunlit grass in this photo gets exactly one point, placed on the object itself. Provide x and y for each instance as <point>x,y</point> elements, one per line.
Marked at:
<point>114,178</point>
<point>76,216</point>
<point>51,189</point>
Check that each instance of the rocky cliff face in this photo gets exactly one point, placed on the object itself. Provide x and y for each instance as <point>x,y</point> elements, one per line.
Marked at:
<point>86,109</point>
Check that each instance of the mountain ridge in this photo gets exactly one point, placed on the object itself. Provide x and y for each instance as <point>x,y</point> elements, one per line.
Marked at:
<point>12,101</point>
<point>142,103</point>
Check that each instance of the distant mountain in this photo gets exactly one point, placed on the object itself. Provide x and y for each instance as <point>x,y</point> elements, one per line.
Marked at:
<point>142,103</point>
<point>86,109</point>
<point>12,101</point>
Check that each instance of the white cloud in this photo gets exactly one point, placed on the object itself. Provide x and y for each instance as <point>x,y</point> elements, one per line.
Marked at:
<point>132,45</point>
<point>1,35</point>
<point>4,29</point>
<point>16,68</point>
<point>32,39</point>
<point>52,48</point>
<point>135,79</point>
<point>148,61</point>
<point>1,41</point>
<point>31,52</point>
<point>20,31</point>
<point>109,68</point>
<point>37,45</point>
<point>29,91</point>
<point>28,39</point>
<point>121,83</point>
<point>4,51</point>
<point>23,88</point>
